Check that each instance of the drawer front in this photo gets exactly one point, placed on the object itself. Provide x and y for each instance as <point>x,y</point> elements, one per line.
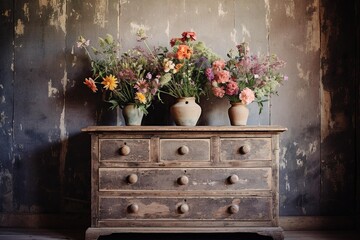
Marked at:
<point>224,179</point>
<point>245,149</point>
<point>185,150</point>
<point>210,208</point>
<point>125,150</point>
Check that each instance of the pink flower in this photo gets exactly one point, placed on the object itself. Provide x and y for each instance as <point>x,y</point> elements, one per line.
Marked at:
<point>232,88</point>
<point>218,65</point>
<point>142,86</point>
<point>247,96</point>
<point>222,76</point>
<point>218,91</point>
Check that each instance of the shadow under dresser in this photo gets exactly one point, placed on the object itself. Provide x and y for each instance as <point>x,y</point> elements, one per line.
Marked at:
<point>174,179</point>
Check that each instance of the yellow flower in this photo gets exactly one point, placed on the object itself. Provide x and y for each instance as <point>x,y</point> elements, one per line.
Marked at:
<point>109,82</point>
<point>141,97</point>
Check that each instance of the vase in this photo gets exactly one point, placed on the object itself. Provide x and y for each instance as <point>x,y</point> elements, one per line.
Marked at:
<point>238,114</point>
<point>185,112</point>
<point>132,115</point>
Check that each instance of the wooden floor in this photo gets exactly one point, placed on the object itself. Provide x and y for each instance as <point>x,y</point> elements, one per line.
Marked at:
<point>39,234</point>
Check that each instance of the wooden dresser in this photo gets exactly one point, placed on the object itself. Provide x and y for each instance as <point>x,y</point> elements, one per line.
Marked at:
<point>184,179</point>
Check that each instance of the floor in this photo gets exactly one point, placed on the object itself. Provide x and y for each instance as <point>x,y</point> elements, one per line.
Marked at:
<point>39,234</point>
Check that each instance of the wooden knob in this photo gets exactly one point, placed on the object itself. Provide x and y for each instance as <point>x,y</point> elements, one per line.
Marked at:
<point>183,150</point>
<point>233,179</point>
<point>132,178</point>
<point>233,209</point>
<point>125,150</point>
<point>184,208</point>
<point>183,180</point>
<point>245,149</point>
<point>133,208</point>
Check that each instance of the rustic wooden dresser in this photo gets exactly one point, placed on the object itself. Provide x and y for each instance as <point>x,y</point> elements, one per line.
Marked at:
<point>184,179</point>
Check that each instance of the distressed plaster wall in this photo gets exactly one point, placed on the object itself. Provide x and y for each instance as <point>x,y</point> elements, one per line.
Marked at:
<point>44,159</point>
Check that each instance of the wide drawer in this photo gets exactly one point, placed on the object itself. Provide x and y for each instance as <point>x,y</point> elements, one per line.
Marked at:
<point>235,149</point>
<point>185,149</point>
<point>124,150</point>
<point>224,179</point>
<point>197,208</point>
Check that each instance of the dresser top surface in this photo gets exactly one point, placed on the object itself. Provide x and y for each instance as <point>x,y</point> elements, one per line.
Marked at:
<point>248,128</point>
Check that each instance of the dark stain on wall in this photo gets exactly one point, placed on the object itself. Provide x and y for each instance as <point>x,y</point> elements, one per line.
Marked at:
<point>338,68</point>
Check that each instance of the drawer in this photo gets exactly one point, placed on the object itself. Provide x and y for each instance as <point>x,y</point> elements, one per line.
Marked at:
<point>185,150</point>
<point>196,208</point>
<point>124,150</point>
<point>202,179</point>
<point>237,149</point>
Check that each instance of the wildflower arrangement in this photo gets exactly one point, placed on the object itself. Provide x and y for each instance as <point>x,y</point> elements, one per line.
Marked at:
<point>130,78</point>
<point>246,78</point>
<point>184,66</point>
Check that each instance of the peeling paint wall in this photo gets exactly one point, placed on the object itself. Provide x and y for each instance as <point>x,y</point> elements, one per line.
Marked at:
<point>44,165</point>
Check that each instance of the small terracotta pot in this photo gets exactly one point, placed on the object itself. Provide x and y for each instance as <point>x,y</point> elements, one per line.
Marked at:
<point>238,114</point>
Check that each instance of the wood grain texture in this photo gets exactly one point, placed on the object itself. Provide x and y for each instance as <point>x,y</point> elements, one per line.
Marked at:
<point>115,179</point>
<point>192,180</point>
<point>207,208</point>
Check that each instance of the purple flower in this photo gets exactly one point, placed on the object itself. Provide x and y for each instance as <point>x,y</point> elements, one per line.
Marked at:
<point>209,74</point>
<point>202,63</point>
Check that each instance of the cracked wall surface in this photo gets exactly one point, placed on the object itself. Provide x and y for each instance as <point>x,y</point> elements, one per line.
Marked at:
<point>44,159</point>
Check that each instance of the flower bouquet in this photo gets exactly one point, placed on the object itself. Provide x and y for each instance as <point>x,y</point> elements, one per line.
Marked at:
<point>245,78</point>
<point>128,80</point>
<point>184,66</point>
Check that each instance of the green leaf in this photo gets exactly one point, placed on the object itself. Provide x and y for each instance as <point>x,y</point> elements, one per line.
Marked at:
<point>165,79</point>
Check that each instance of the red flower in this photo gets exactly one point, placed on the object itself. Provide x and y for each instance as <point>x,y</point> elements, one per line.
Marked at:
<point>91,84</point>
<point>173,41</point>
<point>189,35</point>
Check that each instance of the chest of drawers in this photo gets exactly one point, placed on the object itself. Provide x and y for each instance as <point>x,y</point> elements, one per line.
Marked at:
<point>184,179</point>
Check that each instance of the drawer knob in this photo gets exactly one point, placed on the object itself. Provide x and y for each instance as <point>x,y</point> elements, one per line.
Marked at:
<point>133,208</point>
<point>132,178</point>
<point>184,208</point>
<point>233,208</point>
<point>125,150</point>
<point>245,149</point>
<point>233,179</point>
<point>183,150</point>
<point>183,180</point>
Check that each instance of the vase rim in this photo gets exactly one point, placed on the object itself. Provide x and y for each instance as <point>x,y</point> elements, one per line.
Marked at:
<point>237,103</point>
<point>185,98</point>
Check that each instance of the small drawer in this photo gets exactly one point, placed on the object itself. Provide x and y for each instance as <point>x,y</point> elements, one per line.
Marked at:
<point>175,179</point>
<point>236,149</point>
<point>196,208</point>
<point>124,150</point>
<point>185,150</point>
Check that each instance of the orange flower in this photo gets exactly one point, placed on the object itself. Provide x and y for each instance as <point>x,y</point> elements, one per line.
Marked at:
<point>109,82</point>
<point>183,52</point>
<point>91,84</point>
<point>177,67</point>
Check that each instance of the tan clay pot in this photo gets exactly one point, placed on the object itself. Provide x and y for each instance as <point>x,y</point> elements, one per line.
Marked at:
<point>238,114</point>
<point>185,112</point>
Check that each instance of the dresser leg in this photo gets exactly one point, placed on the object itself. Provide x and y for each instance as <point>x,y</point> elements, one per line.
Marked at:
<point>276,234</point>
<point>92,234</point>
